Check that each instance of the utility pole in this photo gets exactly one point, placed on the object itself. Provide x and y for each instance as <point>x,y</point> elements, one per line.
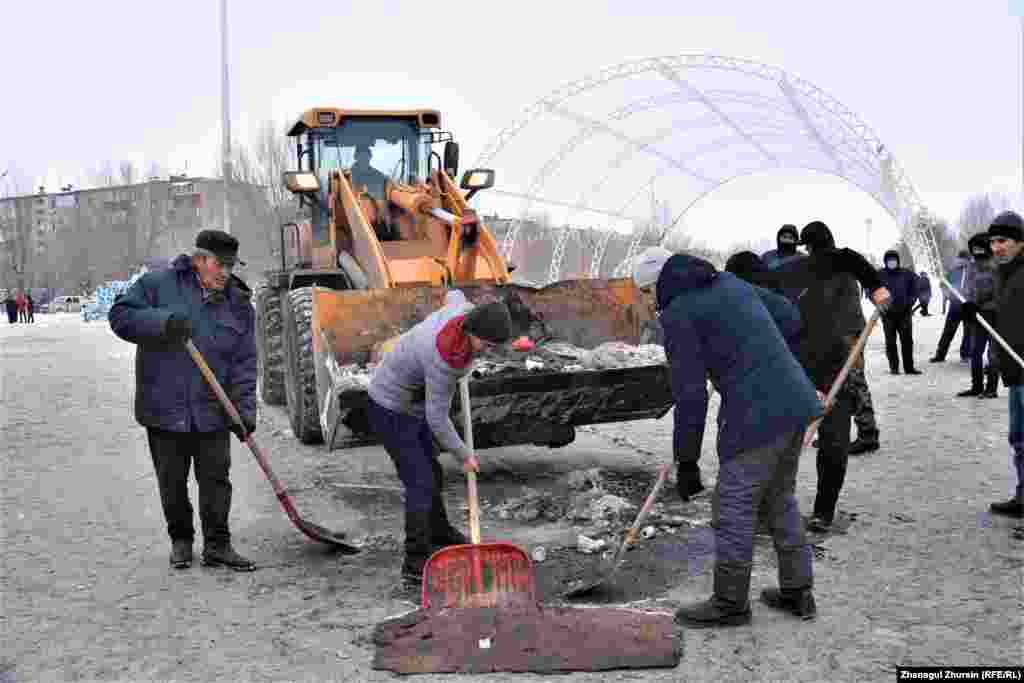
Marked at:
<point>867,225</point>
<point>225,113</point>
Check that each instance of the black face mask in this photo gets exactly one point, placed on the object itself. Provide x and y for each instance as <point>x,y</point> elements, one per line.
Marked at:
<point>787,248</point>
<point>981,256</point>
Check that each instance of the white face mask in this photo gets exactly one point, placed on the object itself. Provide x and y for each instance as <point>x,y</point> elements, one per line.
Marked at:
<point>891,263</point>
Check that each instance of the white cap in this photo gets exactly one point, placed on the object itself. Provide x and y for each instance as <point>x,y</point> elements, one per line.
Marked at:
<point>648,264</point>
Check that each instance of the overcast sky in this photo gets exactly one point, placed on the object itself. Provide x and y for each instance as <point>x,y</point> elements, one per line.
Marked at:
<point>120,79</point>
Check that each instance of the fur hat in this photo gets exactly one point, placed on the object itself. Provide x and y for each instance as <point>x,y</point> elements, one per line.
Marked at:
<point>220,244</point>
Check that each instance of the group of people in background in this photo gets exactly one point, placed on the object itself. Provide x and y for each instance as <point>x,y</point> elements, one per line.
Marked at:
<point>772,334</point>
<point>20,308</point>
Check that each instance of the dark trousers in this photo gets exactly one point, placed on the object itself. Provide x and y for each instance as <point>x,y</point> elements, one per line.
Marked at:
<point>980,341</point>
<point>924,307</point>
<point>833,453</point>
<point>953,320</point>
<point>761,482</point>
<point>410,444</point>
<point>899,326</point>
<point>12,314</point>
<point>173,454</point>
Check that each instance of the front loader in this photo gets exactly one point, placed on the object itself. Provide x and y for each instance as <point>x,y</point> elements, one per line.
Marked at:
<point>386,233</point>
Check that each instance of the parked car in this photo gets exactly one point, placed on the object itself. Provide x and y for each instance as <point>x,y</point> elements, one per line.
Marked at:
<point>67,304</point>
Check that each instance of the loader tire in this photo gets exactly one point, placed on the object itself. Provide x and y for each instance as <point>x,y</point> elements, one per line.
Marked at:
<point>269,347</point>
<point>299,373</point>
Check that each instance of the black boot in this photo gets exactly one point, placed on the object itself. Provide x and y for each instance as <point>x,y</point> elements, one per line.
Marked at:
<point>442,533</point>
<point>181,554</point>
<point>730,603</point>
<point>975,390</point>
<point>799,601</point>
<point>1010,508</point>
<point>864,444</point>
<point>991,384</point>
<point>417,547</point>
<point>223,555</point>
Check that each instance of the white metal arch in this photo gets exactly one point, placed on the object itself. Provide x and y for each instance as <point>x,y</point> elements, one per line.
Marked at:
<point>827,128</point>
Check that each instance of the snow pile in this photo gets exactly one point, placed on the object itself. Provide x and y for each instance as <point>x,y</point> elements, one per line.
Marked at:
<point>619,355</point>
<point>105,295</point>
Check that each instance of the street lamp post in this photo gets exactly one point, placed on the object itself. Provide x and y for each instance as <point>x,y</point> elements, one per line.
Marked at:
<point>225,116</point>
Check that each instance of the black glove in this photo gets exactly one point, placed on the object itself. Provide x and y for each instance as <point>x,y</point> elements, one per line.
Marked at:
<point>177,329</point>
<point>688,481</point>
<point>969,311</point>
<point>250,427</point>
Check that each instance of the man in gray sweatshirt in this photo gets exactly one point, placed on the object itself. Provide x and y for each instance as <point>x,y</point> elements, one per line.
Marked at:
<point>410,407</point>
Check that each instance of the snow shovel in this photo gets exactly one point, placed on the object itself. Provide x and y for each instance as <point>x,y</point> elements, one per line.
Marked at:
<point>313,531</point>
<point>477,574</point>
<point>862,340</point>
<point>607,580</point>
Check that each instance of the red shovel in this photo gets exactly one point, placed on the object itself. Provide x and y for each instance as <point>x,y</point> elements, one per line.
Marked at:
<point>313,531</point>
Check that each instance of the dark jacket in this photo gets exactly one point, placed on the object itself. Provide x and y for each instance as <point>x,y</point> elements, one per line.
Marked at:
<point>924,288</point>
<point>170,393</point>
<point>957,276</point>
<point>902,284</point>
<point>1009,318</point>
<point>717,327</point>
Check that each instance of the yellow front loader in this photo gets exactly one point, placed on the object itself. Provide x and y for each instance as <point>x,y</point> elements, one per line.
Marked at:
<point>388,233</point>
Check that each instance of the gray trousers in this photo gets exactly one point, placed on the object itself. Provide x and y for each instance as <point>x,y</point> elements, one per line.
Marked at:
<point>768,474</point>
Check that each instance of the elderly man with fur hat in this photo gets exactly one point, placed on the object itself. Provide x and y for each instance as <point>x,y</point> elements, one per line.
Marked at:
<point>716,326</point>
<point>1006,238</point>
<point>410,406</point>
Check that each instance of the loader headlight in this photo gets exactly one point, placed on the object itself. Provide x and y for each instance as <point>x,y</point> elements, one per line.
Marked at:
<point>301,182</point>
<point>478,179</point>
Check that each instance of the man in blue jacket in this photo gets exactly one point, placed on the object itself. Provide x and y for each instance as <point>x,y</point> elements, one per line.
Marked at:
<point>717,327</point>
<point>786,240</point>
<point>199,298</point>
<point>898,320</point>
<point>957,276</point>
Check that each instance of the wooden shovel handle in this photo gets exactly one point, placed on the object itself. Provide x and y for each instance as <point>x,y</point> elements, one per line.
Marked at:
<point>862,340</point>
<point>467,434</point>
<point>211,379</point>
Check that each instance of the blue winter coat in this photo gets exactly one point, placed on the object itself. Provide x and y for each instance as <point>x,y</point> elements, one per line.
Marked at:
<point>170,393</point>
<point>717,326</point>
<point>902,284</point>
<point>772,261</point>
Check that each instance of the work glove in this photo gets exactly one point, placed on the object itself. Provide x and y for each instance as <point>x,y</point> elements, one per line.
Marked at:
<point>177,329</point>
<point>250,427</point>
<point>969,311</point>
<point>688,481</point>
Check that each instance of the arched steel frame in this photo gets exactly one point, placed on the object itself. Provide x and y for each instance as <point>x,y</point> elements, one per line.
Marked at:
<point>847,142</point>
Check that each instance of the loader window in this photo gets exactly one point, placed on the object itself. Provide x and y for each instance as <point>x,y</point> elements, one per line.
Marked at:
<point>375,149</point>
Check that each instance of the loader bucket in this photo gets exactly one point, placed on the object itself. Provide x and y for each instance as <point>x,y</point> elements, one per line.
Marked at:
<point>514,406</point>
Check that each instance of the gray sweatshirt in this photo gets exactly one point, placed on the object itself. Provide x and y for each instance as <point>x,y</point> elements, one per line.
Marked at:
<point>414,379</point>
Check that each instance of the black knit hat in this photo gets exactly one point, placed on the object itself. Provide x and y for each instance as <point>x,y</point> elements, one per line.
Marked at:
<point>744,264</point>
<point>491,322</point>
<point>816,235</point>
<point>1007,224</point>
<point>220,244</point>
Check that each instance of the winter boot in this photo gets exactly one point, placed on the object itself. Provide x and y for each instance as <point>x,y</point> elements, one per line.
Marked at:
<point>730,603</point>
<point>181,554</point>
<point>223,555</point>
<point>1009,508</point>
<point>797,601</point>
<point>975,390</point>
<point>417,547</point>
<point>442,533</point>
<point>991,384</point>
<point>864,444</point>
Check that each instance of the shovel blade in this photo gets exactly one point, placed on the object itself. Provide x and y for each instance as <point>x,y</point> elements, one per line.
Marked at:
<point>484,575</point>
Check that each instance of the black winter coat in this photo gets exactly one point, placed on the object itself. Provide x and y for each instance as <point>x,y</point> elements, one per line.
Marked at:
<point>902,284</point>
<point>1010,319</point>
<point>170,393</point>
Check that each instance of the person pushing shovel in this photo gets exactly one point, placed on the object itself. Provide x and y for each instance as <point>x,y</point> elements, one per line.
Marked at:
<point>410,406</point>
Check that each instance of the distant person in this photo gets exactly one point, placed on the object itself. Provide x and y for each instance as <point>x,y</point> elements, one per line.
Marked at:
<point>897,322</point>
<point>980,290</point>
<point>956,276</point>
<point>12,308</point>
<point>22,307</point>
<point>363,173</point>
<point>924,292</point>
<point>1006,239</point>
<point>30,308</point>
<point>786,241</point>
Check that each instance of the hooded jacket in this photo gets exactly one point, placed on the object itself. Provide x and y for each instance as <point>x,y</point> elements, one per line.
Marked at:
<point>901,283</point>
<point>170,393</point>
<point>1010,318</point>
<point>980,279</point>
<point>781,255</point>
<point>717,327</point>
<point>924,288</point>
